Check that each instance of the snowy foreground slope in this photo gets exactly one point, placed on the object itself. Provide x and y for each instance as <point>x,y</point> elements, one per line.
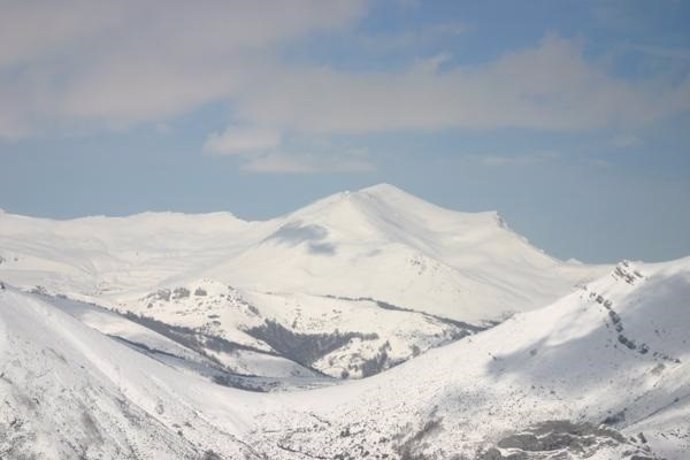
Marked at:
<point>602,373</point>
<point>345,287</point>
<point>69,391</point>
<point>614,353</point>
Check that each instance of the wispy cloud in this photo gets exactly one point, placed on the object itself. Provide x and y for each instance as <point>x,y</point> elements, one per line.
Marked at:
<point>265,150</point>
<point>518,159</point>
<point>69,63</point>
<point>425,35</point>
<point>238,140</point>
<point>549,87</point>
<point>80,64</point>
<point>346,162</point>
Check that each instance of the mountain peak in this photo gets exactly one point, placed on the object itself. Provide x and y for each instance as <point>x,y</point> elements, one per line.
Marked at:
<point>402,200</point>
<point>381,188</point>
<point>385,204</point>
<point>386,192</point>
<point>367,203</point>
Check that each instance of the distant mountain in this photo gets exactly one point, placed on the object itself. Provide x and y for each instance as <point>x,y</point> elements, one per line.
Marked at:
<point>348,286</point>
<point>385,244</point>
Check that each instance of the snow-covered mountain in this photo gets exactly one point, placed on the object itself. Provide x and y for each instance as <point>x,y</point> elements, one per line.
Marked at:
<point>601,373</point>
<point>347,286</point>
<point>385,244</point>
<point>379,242</point>
<point>166,335</point>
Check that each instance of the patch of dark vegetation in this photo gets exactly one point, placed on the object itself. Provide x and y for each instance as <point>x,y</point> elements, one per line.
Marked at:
<point>180,293</point>
<point>615,419</point>
<point>560,434</point>
<point>622,272</point>
<point>39,290</point>
<point>251,308</point>
<point>627,342</point>
<point>142,347</point>
<point>161,294</point>
<point>201,343</point>
<point>304,349</point>
<point>244,382</point>
<point>465,327</point>
<point>211,455</point>
<point>413,446</point>
<point>617,322</point>
<point>379,362</point>
<point>93,434</point>
<point>579,439</point>
<point>193,339</point>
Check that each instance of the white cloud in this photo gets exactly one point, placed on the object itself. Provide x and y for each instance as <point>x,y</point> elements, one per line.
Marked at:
<point>549,87</point>
<point>424,35</point>
<point>117,62</point>
<point>308,163</point>
<point>266,150</point>
<point>85,64</point>
<point>243,140</point>
<point>518,159</point>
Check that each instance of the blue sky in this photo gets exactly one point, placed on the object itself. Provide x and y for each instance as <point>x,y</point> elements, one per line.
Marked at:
<point>571,118</point>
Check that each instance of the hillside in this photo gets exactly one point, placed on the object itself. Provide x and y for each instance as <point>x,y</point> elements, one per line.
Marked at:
<point>601,373</point>
<point>348,286</point>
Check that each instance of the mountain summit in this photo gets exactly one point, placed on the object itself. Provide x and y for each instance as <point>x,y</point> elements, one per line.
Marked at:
<point>386,244</point>
<point>347,286</point>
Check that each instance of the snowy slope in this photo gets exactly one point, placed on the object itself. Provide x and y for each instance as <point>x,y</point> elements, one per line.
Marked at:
<point>70,392</point>
<point>385,244</point>
<point>379,242</point>
<point>180,348</point>
<point>616,352</point>
<point>359,282</point>
<point>341,337</point>
<point>602,373</point>
<point>98,256</point>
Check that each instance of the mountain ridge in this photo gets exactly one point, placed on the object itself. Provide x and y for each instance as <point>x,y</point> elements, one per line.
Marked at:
<point>367,279</point>
<point>553,374</point>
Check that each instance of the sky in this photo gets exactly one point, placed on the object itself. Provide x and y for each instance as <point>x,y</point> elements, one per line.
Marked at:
<point>571,117</point>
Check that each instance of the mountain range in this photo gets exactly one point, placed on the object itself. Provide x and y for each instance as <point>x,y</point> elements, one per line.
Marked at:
<point>369,324</point>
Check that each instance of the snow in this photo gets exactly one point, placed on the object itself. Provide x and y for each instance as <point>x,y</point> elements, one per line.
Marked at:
<point>325,269</point>
<point>560,362</point>
<point>119,351</point>
<point>69,390</point>
<point>379,242</point>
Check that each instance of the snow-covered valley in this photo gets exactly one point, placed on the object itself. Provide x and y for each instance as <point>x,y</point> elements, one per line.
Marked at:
<point>370,324</point>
